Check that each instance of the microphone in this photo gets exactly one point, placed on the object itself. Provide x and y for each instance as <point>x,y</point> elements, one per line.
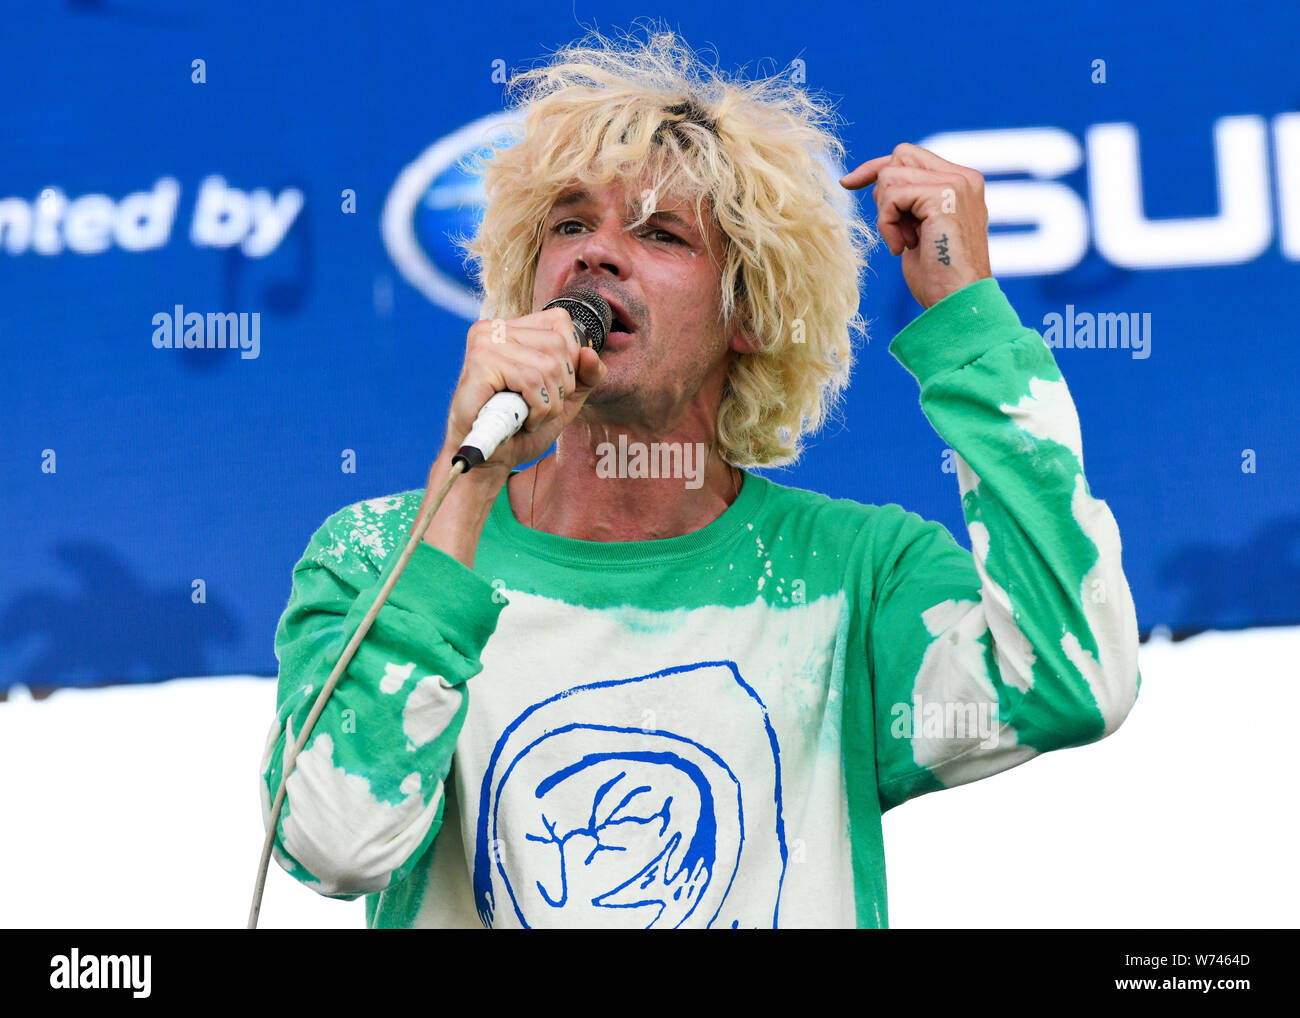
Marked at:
<point>505,413</point>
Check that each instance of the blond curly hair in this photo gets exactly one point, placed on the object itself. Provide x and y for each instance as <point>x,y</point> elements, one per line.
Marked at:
<point>759,156</point>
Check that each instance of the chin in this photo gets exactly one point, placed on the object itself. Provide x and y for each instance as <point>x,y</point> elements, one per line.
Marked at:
<point>614,400</point>
<point>609,392</point>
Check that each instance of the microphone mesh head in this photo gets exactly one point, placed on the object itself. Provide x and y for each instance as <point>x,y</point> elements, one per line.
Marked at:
<point>590,312</point>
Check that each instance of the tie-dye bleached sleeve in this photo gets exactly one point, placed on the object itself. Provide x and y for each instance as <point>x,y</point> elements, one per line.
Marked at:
<point>365,799</point>
<point>980,660</point>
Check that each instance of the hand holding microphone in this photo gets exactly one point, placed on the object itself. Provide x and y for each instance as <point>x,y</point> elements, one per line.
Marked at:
<point>532,373</point>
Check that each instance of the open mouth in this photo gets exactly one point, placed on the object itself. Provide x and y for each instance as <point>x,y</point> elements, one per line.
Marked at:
<point>619,325</point>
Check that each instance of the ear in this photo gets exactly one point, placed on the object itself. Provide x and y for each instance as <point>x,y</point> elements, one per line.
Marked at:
<point>743,342</point>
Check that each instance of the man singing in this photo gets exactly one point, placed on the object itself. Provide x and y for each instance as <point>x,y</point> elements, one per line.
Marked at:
<point>635,684</point>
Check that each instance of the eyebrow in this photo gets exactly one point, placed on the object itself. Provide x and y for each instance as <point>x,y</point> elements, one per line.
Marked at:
<point>582,197</point>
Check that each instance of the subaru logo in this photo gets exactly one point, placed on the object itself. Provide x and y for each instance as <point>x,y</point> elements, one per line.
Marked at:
<point>432,200</point>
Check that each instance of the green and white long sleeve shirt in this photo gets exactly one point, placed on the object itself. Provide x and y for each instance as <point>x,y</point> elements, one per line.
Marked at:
<point>704,731</point>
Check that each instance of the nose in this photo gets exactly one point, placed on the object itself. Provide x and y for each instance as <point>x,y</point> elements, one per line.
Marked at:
<point>603,250</point>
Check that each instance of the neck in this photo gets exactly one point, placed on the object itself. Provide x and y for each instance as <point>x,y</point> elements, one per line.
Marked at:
<point>599,484</point>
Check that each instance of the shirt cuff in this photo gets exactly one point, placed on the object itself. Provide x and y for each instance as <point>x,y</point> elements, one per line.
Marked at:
<point>434,581</point>
<point>959,329</point>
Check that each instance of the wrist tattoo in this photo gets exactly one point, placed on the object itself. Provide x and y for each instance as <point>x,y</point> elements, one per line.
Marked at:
<point>942,245</point>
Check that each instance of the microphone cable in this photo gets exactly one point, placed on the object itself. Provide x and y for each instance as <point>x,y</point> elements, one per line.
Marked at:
<point>417,535</point>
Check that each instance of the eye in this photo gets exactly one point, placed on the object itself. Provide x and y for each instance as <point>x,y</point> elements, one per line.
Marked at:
<point>661,235</point>
<point>672,238</point>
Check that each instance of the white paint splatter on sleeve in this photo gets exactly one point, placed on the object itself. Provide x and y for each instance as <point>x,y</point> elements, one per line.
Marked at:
<point>395,675</point>
<point>1112,618</point>
<point>1048,413</point>
<point>953,671</point>
<point>430,709</point>
<point>341,833</point>
<point>1014,652</point>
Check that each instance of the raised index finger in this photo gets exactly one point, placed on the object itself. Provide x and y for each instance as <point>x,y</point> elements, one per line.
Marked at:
<point>865,174</point>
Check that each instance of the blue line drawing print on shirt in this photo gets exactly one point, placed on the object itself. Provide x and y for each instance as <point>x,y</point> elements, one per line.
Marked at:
<point>586,821</point>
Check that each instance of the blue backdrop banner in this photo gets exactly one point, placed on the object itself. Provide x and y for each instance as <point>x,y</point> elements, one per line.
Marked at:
<point>287,175</point>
